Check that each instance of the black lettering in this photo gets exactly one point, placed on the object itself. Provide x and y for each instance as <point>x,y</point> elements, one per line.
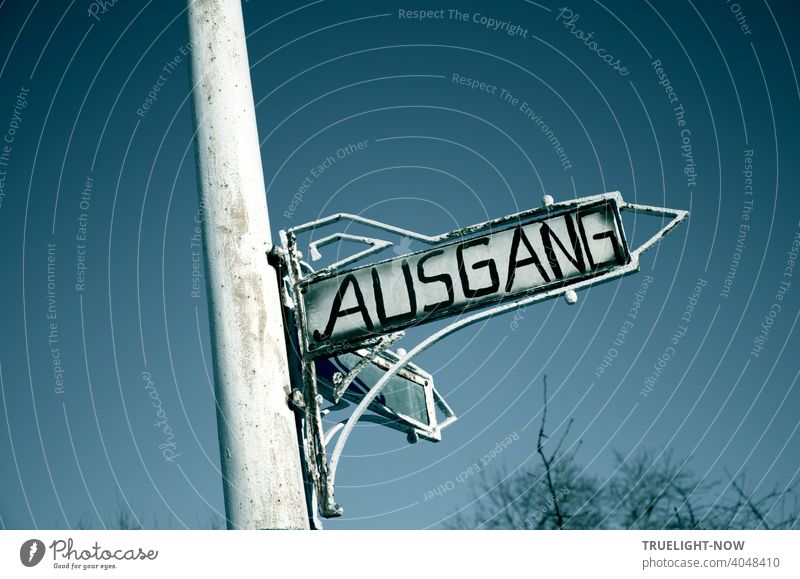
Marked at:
<point>379,303</point>
<point>514,263</point>
<point>442,277</point>
<point>337,312</point>
<point>462,271</point>
<point>619,254</point>
<point>548,236</point>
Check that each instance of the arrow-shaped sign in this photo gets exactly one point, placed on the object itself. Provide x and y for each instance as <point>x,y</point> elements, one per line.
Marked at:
<point>548,249</point>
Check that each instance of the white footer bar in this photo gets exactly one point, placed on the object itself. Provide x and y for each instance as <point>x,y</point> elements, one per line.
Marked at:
<point>389,554</point>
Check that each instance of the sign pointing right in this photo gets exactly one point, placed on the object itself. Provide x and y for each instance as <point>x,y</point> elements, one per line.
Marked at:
<point>522,254</point>
<point>494,267</point>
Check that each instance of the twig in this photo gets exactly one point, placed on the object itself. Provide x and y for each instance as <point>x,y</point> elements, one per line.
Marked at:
<point>749,503</point>
<point>548,462</point>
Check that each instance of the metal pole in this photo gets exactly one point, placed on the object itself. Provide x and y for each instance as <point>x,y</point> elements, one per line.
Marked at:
<point>262,478</point>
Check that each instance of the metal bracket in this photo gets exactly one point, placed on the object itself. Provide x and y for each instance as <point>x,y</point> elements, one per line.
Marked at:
<point>308,399</point>
<point>376,245</point>
<point>316,457</point>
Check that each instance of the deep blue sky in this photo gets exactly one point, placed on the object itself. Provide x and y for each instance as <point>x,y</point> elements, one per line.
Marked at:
<point>438,156</point>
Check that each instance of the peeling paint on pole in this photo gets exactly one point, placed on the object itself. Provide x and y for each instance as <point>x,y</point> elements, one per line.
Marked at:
<point>258,442</point>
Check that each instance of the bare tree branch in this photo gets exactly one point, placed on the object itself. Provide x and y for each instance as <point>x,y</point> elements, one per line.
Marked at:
<point>646,491</point>
<point>548,462</point>
<point>756,512</point>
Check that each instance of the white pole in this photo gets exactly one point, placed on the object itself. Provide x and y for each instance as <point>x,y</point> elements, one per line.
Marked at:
<point>262,478</point>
